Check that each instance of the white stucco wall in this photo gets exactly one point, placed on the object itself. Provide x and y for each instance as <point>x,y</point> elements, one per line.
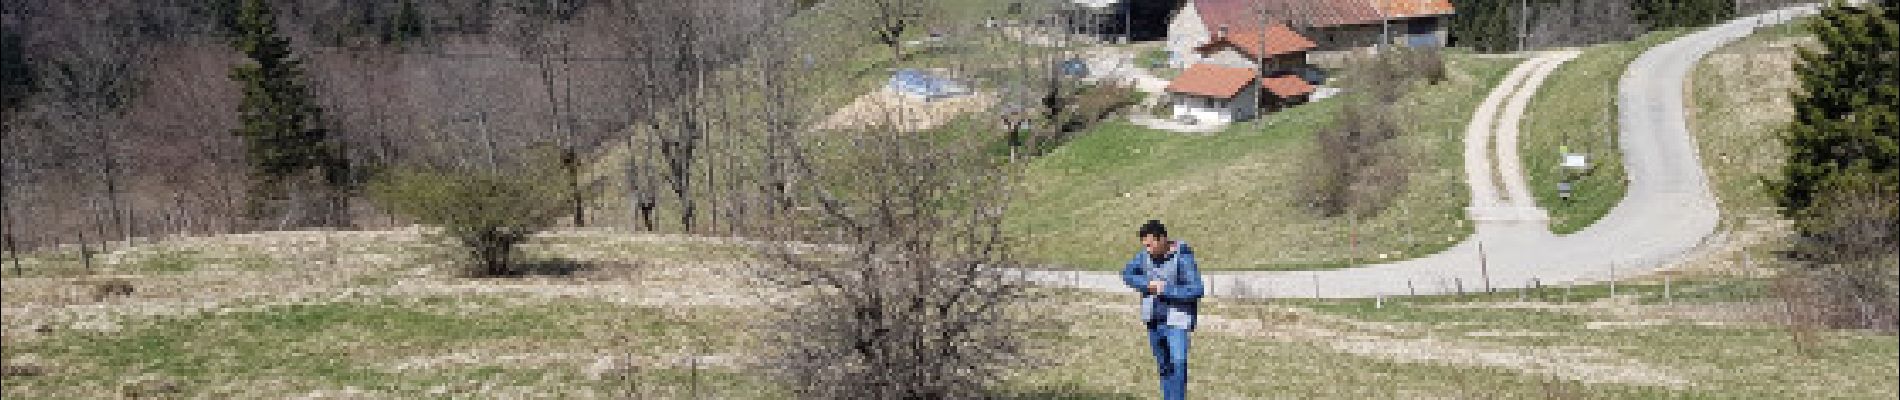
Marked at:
<point>1185,31</point>
<point>1205,110</point>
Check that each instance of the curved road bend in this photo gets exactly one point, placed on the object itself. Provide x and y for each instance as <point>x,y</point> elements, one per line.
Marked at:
<point>1667,211</point>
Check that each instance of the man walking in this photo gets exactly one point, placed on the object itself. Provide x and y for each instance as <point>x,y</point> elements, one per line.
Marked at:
<point>1165,274</point>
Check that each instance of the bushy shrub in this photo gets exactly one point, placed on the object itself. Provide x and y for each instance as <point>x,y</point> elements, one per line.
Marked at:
<point>487,212</point>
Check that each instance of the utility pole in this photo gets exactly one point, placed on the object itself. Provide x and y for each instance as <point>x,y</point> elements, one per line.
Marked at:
<point>1523,23</point>
<point>1385,28</point>
<point>1128,21</point>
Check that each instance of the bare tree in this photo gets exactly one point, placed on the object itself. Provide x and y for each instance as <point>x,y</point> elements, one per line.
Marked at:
<point>886,21</point>
<point>1578,23</point>
<point>92,78</point>
<point>676,62</point>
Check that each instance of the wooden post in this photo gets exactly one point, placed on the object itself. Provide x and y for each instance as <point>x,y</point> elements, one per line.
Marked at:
<point>1378,302</point>
<point>1460,282</point>
<point>1409,289</point>
<point>1484,268</point>
<point>1612,280</point>
<point>85,252</point>
<point>1668,295</point>
<point>1566,298</point>
<point>1316,285</point>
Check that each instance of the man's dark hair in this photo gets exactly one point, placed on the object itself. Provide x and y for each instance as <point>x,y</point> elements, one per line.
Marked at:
<point>1153,227</point>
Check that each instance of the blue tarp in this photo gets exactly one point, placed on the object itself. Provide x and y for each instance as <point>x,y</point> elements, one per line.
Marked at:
<point>921,84</point>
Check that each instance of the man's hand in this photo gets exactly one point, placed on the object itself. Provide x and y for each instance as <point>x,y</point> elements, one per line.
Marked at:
<point>1154,287</point>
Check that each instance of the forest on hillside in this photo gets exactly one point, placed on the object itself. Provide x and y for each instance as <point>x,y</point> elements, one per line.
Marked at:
<point>120,115</point>
<point>1496,25</point>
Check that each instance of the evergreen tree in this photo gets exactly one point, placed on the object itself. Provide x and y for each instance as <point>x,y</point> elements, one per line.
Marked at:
<point>407,26</point>
<point>1846,131</point>
<point>277,117</point>
<point>16,72</point>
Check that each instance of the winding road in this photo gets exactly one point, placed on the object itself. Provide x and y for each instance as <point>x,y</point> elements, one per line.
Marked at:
<point>1667,212</point>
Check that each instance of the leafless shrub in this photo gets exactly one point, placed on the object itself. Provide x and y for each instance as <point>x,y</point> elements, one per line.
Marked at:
<point>1076,112</point>
<point>908,298</point>
<point>1360,170</point>
<point>109,288</point>
<point>1849,256</point>
<point>1583,22</point>
<point>1387,77</point>
<point>1800,311</point>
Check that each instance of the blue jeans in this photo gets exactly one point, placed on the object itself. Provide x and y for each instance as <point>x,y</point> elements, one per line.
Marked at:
<point>1170,346</point>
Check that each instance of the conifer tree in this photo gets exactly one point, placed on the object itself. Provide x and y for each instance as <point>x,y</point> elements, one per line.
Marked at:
<point>278,118</point>
<point>1847,114</point>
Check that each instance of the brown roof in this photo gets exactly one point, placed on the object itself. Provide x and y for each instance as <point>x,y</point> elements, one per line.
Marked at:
<point>1212,80</point>
<point>1278,40</point>
<point>1240,15</point>
<point>1287,86</point>
<point>1413,8</point>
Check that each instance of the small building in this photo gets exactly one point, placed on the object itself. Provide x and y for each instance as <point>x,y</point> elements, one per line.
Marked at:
<point>1283,91</point>
<point>1215,94</point>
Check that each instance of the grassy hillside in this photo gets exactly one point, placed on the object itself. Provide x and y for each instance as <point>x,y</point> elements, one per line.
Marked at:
<point>373,315</point>
<point>1576,109</point>
<point>1739,104</point>
<point>1237,196</point>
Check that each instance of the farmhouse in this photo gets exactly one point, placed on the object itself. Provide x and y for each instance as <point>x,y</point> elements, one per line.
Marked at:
<point>1335,26</point>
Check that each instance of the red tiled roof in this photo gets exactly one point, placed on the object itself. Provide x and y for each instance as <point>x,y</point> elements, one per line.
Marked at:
<point>1240,15</point>
<point>1287,86</point>
<point>1212,80</point>
<point>1278,39</point>
<point>1413,8</point>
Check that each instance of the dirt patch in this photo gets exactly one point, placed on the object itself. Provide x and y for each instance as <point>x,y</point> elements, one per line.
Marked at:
<point>908,114</point>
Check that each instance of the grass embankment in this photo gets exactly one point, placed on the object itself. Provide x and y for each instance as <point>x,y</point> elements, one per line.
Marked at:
<point>1576,109</point>
<point>1239,196</point>
<point>1740,105</point>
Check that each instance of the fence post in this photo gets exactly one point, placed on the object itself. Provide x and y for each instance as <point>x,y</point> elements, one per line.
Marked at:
<point>1484,267</point>
<point>85,253</point>
<point>1668,294</point>
<point>1460,282</point>
<point>1378,302</point>
<point>1539,285</point>
<point>1409,289</point>
<point>1612,280</point>
<point>1315,285</point>
<point>1567,287</point>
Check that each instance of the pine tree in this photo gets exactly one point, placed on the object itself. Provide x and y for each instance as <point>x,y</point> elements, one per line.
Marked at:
<point>1846,131</point>
<point>277,116</point>
<point>407,24</point>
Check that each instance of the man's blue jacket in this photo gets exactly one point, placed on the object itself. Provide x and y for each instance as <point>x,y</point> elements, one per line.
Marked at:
<point>1178,305</point>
